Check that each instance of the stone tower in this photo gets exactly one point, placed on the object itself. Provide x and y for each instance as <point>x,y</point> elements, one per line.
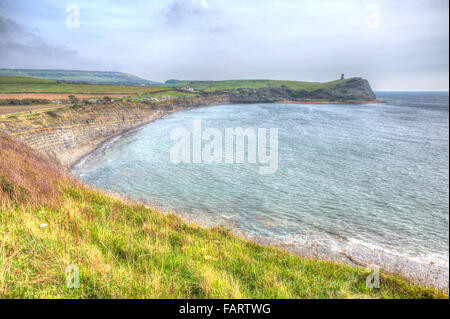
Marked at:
<point>342,76</point>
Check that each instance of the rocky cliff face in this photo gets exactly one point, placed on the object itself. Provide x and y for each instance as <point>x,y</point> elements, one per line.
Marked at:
<point>354,89</point>
<point>70,133</point>
<point>351,90</point>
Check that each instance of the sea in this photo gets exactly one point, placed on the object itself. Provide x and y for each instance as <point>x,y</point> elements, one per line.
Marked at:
<point>350,177</point>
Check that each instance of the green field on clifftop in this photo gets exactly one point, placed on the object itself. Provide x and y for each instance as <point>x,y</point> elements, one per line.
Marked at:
<point>254,84</point>
<point>19,84</point>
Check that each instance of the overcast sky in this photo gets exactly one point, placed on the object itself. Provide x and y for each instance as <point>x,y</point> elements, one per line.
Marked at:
<point>396,45</point>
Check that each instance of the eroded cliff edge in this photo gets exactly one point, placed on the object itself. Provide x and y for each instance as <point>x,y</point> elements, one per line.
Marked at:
<point>71,132</point>
<point>354,90</point>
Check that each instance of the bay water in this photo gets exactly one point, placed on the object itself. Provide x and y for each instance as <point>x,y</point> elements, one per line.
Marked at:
<point>373,175</point>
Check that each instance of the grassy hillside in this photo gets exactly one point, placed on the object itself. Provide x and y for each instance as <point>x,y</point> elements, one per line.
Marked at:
<point>112,78</point>
<point>18,84</point>
<point>22,80</point>
<point>48,221</point>
<point>253,84</point>
<point>93,77</point>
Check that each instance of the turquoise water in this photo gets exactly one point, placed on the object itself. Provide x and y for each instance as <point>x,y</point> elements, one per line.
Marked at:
<point>375,175</point>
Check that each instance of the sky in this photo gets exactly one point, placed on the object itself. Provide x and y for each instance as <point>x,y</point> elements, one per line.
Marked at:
<point>396,45</point>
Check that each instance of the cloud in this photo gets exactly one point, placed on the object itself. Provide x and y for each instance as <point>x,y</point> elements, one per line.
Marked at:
<point>197,16</point>
<point>181,10</point>
<point>20,48</point>
<point>212,39</point>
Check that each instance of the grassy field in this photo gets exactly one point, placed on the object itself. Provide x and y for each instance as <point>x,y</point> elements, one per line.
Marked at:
<point>17,84</point>
<point>12,86</point>
<point>49,221</point>
<point>254,84</point>
<point>25,109</point>
<point>22,77</point>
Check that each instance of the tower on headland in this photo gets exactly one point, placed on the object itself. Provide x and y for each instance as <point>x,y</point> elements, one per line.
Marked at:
<point>342,76</point>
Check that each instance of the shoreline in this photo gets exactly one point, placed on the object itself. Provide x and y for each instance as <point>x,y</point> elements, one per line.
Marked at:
<point>418,272</point>
<point>72,157</point>
<point>330,102</point>
<point>321,246</point>
<point>422,273</point>
<point>93,146</point>
<point>87,148</point>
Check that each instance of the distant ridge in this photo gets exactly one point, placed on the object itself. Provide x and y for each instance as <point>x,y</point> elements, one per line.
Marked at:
<point>91,77</point>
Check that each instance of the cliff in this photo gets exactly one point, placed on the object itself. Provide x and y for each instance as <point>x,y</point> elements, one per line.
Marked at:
<point>351,90</point>
<point>69,133</point>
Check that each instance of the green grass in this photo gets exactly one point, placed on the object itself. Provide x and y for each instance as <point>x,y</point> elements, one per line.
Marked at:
<point>95,77</point>
<point>18,84</point>
<point>128,251</point>
<point>26,114</point>
<point>125,250</point>
<point>254,84</point>
<point>175,94</point>
<point>15,84</point>
<point>19,80</point>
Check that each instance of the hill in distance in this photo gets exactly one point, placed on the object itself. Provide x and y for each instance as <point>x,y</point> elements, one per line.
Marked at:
<point>91,77</point>
<point>119,78</point>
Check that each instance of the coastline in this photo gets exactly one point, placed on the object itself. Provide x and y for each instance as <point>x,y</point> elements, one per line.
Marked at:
<point>76,156</point>
<point>330,102</point>
<point>356,255</point>
<point>71,158</point>
<point>319,247</point>
<point>421,273</point>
